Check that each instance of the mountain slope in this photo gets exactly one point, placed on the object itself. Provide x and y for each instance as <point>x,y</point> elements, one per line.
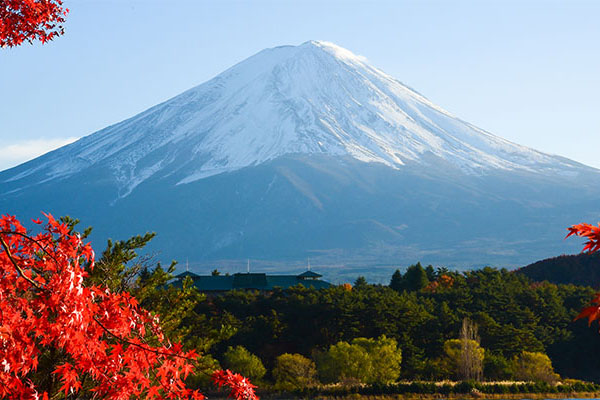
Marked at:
<point>315,98</point>
<point>581,269</point>
<point>308,150</point>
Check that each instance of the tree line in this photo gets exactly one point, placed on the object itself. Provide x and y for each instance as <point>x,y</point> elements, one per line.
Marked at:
<point>426,324</point>
<point>420,312</point>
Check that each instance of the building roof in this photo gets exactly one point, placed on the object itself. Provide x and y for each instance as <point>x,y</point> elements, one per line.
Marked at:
<point>309,274</point>
<point>186,273</point>
<point>256,281</point>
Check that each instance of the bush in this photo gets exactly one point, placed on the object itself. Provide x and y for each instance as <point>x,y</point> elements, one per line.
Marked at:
<point>343,362</point>
<point>463,358</point>
<point>530,366</point>
<point>464,387</point>
<point>240,360</point>
<point>201,378</point>
<point>374,361</point>
<point>293,372</point>
<point>496,367</point>
<point>385,358</point>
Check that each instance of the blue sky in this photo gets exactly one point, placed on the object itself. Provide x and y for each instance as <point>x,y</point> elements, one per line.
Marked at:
<point>527,71</point>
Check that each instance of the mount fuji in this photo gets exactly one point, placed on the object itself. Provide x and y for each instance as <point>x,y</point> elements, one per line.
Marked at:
<point>309,151</point>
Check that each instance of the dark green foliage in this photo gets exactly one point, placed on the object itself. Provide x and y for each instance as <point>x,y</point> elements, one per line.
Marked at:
<point>512,313</point>
<point>114,270</point>
<point>496,367</point>
<point>360,282</point>
<point>72,222</point>
<point>415,278</point>
<point>430,272</point>
<point>580,269</point>
<point>396,281</point>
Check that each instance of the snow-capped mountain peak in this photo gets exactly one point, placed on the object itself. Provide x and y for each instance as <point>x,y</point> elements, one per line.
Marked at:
<point>315,98</point>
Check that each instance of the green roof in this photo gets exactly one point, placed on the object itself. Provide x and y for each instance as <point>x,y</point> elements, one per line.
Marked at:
<point>250,281</point>
<point>186,273</point>
<point>256,281</point>
<point>309,274</point>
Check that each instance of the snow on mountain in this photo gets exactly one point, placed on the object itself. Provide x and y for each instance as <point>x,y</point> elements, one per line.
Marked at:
<point>315,98</point>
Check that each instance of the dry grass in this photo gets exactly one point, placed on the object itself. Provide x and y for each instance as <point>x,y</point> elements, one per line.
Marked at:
<point>458,396</point>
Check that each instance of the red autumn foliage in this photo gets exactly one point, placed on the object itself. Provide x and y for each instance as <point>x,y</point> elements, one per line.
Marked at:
<point>29,20</point>
<point>443,282</point>
<point>108,342</point>
<point>592,245</point>
<point>241,388</point>
<point>591,232</point>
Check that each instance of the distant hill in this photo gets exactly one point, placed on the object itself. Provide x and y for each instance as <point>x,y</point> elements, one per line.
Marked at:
<point>581,269</point>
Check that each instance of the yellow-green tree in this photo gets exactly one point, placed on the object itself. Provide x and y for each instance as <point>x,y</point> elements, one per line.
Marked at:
<point>363,360</point>
<point>385,357</point>
<point>344,362</point>
<point>463,359</point>
<point>530,366</point>
<point>240,360</point>
<point>294,371</point>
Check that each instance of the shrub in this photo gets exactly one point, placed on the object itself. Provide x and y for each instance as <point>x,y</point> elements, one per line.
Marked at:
<point>293,372</point>
<point>463,358</point>
<point>496,367</point>
<point>531,366</point>
<point>385,358</point>
<point>240,360</point>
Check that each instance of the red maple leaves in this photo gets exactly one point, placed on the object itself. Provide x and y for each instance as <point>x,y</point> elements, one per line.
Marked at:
<point>106,340</point>
<point>592,245</point>
<point>241,388</point>
<point>591,232</point>
<point>29,20</point>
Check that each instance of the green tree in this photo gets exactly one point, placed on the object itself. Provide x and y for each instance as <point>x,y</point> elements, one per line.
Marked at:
<point>460,355</point>
<point>294,371</point>
<point>119,266</point>
<point>201,378</point>
<point>471,356</point>
<point>497,367</point>
<point>240,360</point>
<point>415,278</point>
<point>396,281</point>
<point>431,273</point>
<point>360,282</point>
<point>385,358</point>
<point>344,362</point>
<point>530,366</point>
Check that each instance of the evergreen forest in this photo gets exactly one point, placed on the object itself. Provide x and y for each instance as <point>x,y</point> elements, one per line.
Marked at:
<point>418,317</point>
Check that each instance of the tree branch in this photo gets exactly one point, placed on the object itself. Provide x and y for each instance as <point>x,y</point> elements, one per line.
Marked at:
<point>14,262</point>
<point>25,236</point>
<point>123,340</point>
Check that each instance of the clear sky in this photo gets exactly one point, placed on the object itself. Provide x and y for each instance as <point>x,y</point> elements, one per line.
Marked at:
<point>528,71</point>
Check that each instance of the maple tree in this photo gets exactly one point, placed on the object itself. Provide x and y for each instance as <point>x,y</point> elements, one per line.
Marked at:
<point>109,345</point>
<point>592,245</point>
<point>29,20</point>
